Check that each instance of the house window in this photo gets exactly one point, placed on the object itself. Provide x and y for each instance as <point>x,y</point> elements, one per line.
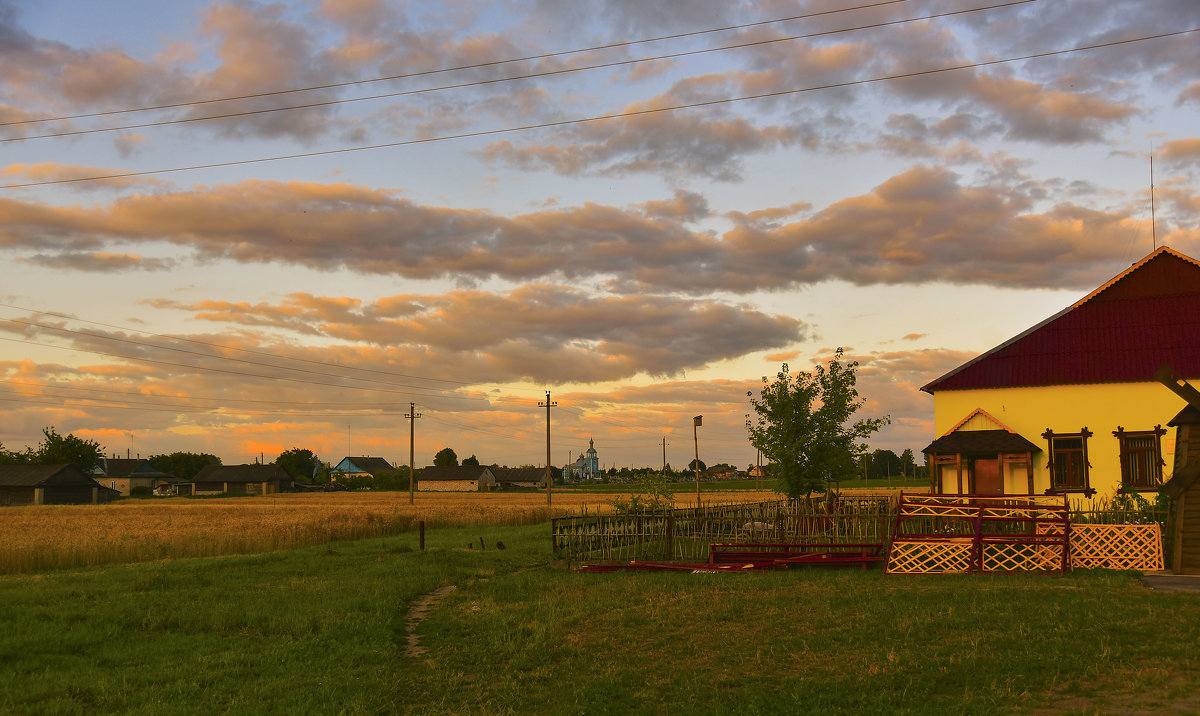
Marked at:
<point>1141,457</point>
<point>1068,460</point>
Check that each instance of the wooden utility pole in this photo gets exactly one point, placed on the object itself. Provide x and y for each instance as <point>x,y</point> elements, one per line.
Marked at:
<point>549,479</point>
<point>696,421</point>
<point>664,457</point>
<point>412,469</point>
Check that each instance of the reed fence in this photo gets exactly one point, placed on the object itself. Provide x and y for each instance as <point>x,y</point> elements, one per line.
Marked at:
<point>685,534</point>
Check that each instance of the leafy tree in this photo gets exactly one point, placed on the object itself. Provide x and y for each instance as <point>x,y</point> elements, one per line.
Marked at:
<point>183,465</point>
<point>803,425</point>
<point>56,449</point>
<point>692,466</point>
<point>446,457</point>
<point>300,463</point>
<point>391,480</point>
<point>469,462</point>
<point>908,464</point>
<point>885,463</point>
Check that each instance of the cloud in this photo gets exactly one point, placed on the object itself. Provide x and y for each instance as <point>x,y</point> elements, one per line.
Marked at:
<point>1181,152</point>
<point>923,225</point>
<point>99,261</point>
<point>536,332</point>
<point>54,172</point>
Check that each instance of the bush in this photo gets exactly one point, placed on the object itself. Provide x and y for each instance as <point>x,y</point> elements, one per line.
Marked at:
<point>141,491</point>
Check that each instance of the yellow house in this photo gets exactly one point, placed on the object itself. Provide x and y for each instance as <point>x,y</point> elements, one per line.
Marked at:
<point>1071,405</point>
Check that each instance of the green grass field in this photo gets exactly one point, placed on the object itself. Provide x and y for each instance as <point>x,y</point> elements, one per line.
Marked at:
<point>323,630</point>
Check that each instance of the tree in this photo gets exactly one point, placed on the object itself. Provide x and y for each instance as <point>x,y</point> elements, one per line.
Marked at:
<point>470,462</point>
<point>692,466</point>
<point>56,449</point>
<point>183,465</point>
<point>446,457</point>
<point>803,425</point>
<point>885,463</point>
<point>300,463</point>
<point>908,464</point>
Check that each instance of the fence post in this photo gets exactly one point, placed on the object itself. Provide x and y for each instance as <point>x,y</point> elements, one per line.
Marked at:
<point>671,535</point>
<point>421,532</point>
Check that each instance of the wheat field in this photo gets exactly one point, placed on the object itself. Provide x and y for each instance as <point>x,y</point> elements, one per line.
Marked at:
<point>54,537</point>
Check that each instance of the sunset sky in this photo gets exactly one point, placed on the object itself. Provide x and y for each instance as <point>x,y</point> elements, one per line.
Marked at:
<point>482,202</point>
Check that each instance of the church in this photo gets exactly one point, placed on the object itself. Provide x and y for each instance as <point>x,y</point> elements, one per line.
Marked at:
<point>587,467</point>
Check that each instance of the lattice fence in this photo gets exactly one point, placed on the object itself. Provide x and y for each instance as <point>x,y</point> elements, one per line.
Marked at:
<point>969,533</point>
<point>1116,546</point>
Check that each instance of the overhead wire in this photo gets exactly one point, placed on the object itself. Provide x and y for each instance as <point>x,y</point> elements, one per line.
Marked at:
<point>512,78</point>
<point>455,68</point>
<point>601,118</point>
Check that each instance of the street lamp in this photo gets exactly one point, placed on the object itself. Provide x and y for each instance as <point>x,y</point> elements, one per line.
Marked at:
<point>696,422</point>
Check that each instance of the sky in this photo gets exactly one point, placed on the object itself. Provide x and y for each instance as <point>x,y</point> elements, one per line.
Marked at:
<point>244,227</point>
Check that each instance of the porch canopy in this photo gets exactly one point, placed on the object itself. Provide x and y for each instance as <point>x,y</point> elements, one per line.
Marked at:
<point>966,446</point>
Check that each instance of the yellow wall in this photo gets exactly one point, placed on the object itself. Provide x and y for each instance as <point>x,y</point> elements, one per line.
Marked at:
<point>1101,408</point>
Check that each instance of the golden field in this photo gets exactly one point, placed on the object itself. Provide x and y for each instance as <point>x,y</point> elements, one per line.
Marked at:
<point>53,537</point>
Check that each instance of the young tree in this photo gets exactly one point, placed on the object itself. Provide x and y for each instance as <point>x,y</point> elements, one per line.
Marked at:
<point>446,457</point>
<point>55,449</point>
<point>803,425</point>
<point>300,463</point>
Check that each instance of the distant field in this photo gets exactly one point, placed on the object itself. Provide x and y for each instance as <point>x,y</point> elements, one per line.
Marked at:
<point>682,488</point>
<point>51,537</point>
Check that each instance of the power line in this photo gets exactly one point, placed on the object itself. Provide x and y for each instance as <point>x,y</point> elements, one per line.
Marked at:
<point>600,118</point>
<point>512,78</point>
<point>456,68</point>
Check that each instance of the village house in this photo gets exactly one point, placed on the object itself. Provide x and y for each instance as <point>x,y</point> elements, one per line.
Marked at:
<point>1072,404</point>
<point>363,466</point>
<point>127,474</point>
<point>241,480</point>
<point>456,478</point>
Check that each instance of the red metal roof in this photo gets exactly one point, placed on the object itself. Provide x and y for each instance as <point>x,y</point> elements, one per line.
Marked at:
<point>1121,332</point>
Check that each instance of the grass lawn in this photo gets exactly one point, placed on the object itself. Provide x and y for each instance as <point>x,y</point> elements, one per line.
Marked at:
<point>323,629</point>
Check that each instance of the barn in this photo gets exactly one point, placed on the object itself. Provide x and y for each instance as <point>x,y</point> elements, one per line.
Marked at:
<point>456,478</point>
<point>515,478</point>
<point>50,485</point>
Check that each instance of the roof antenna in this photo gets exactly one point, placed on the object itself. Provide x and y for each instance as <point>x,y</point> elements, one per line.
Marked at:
<point>1153,223</point>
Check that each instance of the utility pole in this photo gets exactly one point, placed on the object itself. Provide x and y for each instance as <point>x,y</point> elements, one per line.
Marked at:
<point>664,457</point>
<point>696,421</point>
<point>412,468</point>
<point>549,479</point>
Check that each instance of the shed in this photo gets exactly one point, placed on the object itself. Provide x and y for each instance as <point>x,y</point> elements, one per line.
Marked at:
<point>50,485</point>
<point>1183,488</point>
<point>241,480</point>
<point>456,478</point>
